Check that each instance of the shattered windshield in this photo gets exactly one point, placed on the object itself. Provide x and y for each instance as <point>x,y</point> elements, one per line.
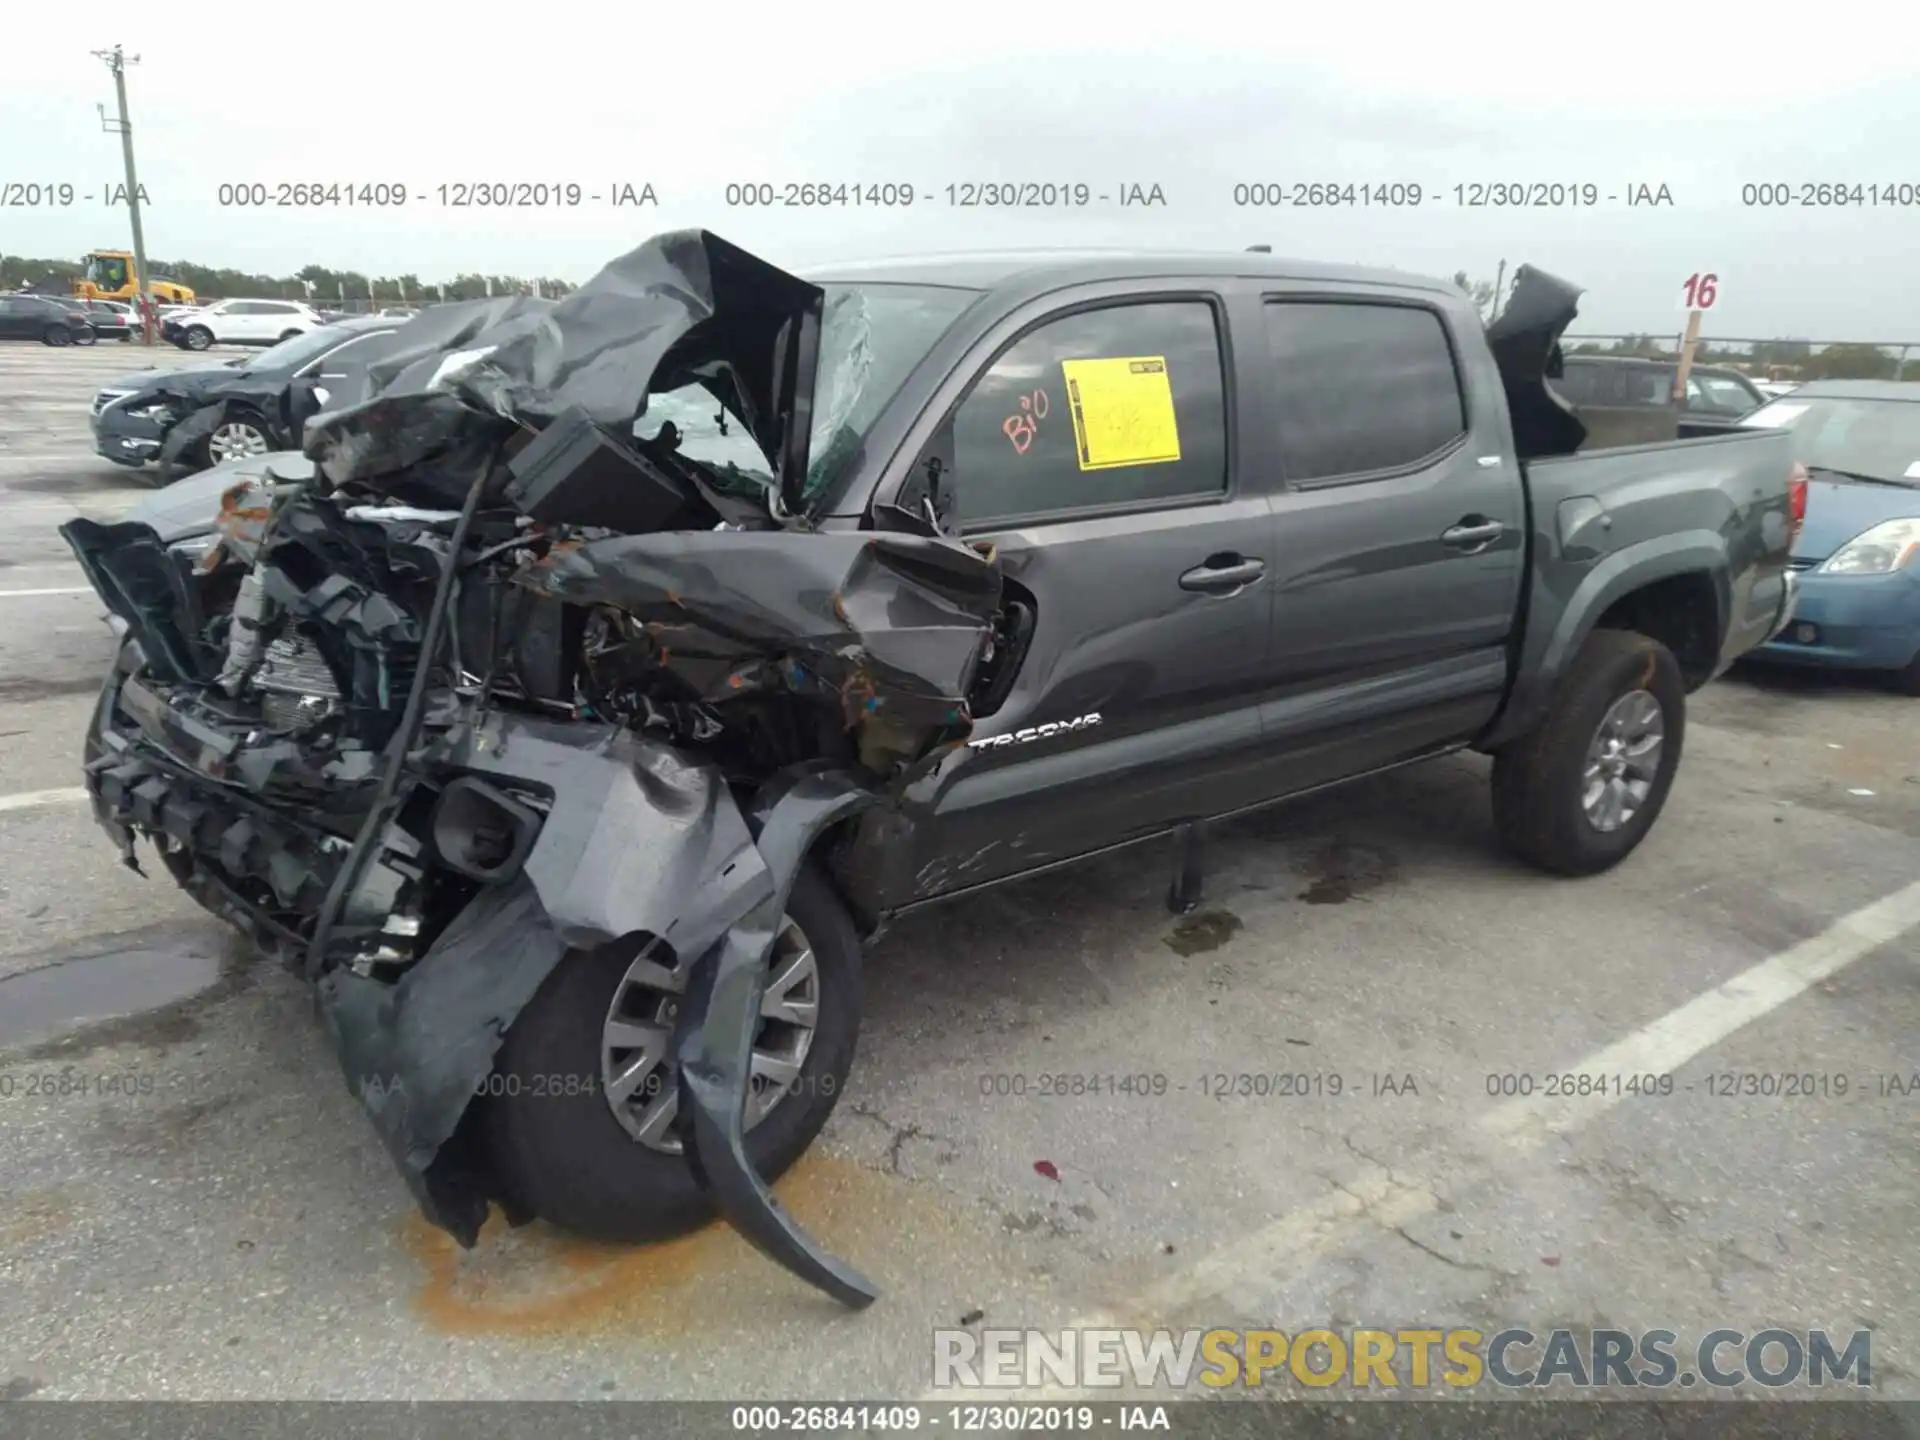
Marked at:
<point>871,337</point>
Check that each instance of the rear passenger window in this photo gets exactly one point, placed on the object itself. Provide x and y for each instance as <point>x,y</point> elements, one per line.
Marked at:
<point>1361,387</point>
<point>1116,406</point>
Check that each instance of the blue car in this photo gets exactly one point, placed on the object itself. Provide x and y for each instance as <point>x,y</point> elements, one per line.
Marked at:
<point>1858,555</point>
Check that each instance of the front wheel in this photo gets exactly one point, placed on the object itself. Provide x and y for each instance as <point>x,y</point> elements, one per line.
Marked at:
<point>1582,790</point>
<point>235,440</point>
<point>57,335</point>
<point>580,1114</point>
<point>85,337</point>
<point>198,337</point>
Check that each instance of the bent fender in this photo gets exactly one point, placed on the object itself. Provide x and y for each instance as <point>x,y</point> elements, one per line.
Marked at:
<point>715,1044</point>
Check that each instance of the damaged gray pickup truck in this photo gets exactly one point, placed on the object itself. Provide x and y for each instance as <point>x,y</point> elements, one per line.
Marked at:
<point>572,750</point>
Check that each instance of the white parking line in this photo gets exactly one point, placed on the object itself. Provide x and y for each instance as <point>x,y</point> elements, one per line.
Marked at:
<point>32,799</point>
<point>59,590</point>
<point>1378,1199</point>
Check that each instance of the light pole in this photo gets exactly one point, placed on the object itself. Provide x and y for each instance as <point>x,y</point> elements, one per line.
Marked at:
<point>117,61</point>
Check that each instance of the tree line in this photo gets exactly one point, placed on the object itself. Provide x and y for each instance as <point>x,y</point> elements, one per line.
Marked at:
<point>317,283</point>
<point>1798,357</point>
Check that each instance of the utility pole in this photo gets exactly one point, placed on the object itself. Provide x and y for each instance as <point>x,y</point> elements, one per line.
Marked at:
<point>117,61</point>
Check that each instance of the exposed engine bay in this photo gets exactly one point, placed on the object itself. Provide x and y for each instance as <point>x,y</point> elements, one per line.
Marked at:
<point>502,682</point>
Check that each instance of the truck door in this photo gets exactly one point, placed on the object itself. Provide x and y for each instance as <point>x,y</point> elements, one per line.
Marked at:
<point>1096,449</point>
<point>1400,533</point>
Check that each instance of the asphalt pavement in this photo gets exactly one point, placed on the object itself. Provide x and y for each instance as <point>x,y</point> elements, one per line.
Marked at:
<point>192,1205</point>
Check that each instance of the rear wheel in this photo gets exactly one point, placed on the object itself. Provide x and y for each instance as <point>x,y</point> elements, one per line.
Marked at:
<point>580,1115</point>
<point>85,336</point>
<point>57,335</point>
<point>1579,793</point>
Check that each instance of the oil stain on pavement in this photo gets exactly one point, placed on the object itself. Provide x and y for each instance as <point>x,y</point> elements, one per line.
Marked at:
<point>64,995</point>
<point>1208,930</point>
<point>538,1281</point>
<point>1339,871</point>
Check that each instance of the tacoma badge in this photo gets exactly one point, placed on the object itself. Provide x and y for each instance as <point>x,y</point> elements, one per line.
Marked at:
<point>1035,732</point>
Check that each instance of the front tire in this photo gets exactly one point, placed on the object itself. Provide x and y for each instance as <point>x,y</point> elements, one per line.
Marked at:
<point>573,1161</point>
<point>235,439</point>
<point>57,336</point>
<point>1579,793</point>
<point>197,337</point>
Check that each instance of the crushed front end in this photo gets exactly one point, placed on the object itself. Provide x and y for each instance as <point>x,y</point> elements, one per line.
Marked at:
<point>499,683</point>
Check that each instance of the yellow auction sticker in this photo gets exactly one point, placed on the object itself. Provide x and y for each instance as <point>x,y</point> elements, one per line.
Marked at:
<point>1122,411</point>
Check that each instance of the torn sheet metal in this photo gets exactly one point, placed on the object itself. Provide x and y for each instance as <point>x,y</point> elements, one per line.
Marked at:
<point>684,307</point>
<point>638,839</point>
<point>890,625</point>
<point>151,588</point>
<point>639,836</point>
<point>714,1046</point>
<point>415,1053</point>
<point>1525,341</point>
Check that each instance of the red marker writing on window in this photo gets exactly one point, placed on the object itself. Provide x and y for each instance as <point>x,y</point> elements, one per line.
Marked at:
<point>1021,426</point>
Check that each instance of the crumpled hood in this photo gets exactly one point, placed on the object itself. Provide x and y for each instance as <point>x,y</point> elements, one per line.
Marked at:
<point>1838,510</point>
<point>177,382</point>
<point>684,306</point>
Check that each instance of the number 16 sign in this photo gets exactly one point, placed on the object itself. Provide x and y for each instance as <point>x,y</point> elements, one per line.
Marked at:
<point>1700,291</point>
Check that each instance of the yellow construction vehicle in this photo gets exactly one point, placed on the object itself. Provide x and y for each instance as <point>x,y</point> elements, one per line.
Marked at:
<point>109,276</point>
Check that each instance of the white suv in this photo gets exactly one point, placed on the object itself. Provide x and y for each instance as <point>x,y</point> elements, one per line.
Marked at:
<point>241,322</point>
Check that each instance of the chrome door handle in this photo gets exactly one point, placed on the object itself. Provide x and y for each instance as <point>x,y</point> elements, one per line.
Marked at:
<point>1473,534</point>
<point>1233,573</point>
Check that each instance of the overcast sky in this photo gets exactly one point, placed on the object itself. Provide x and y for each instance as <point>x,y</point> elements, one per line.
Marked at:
<point>1193,98</point>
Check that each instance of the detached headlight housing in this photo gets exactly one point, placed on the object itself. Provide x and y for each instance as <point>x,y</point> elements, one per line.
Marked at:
<point>1888,546</point>
<point>152,410</point>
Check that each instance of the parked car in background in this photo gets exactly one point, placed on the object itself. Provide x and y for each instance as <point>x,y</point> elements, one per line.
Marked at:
<point>111,319</point>
<point>46,318</point>
<point>240,322</point>
<point>194,418</point>
<point>1714,393</point>
<point>1858,556</point>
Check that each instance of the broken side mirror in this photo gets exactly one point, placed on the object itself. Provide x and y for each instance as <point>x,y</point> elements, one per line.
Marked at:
<point>926,497</point>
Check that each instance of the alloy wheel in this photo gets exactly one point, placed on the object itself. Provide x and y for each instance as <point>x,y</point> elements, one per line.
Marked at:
<point>234,441</point>
<point>1623,759</point>
<point>639,1077</point>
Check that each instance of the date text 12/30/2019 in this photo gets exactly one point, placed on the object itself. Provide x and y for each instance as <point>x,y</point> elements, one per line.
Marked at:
<point>959,195</point>
<point>450,194</point>
<point>1472,195</point>
<point>961,1419</point>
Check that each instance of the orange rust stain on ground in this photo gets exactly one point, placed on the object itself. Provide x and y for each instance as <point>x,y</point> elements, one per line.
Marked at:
<point>33,1215</point>
<point>538,1281</point>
